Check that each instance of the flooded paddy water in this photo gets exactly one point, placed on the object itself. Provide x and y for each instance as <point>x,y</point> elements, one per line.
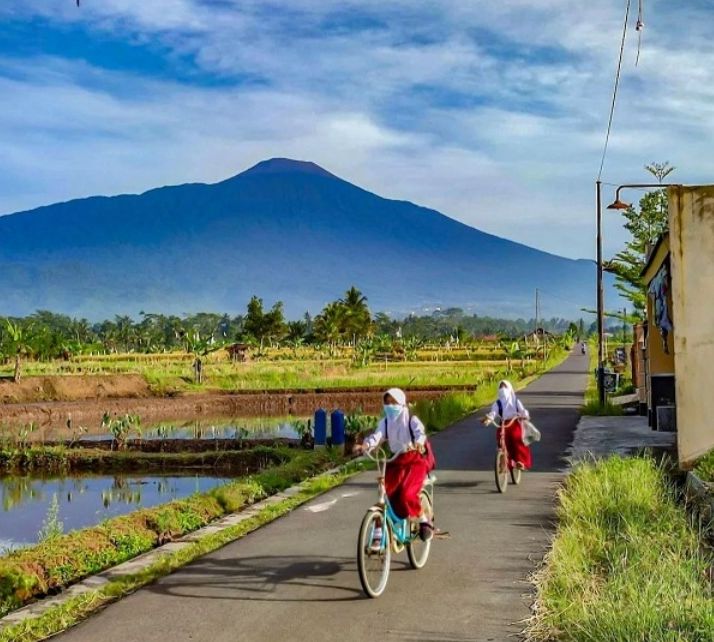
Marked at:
<point>84,500</point>
<point>27,501</point>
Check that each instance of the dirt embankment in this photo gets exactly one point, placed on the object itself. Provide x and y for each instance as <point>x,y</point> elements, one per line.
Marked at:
<point>72,388</point>
<point>84,401</point>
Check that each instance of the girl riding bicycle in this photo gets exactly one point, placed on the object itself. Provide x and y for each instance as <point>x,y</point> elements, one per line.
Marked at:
<point>507,406</point>
<point>404,476</point>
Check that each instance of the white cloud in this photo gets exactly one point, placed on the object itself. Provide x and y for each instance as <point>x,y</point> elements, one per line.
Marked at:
<point>503,131</point>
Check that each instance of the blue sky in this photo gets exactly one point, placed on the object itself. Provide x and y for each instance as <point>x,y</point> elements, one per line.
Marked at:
<point>491,112</point>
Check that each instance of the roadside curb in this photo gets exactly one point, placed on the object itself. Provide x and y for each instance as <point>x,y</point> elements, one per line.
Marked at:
<point>144,561</point>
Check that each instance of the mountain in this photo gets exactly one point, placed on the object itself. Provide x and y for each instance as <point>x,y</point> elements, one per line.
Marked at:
<point>284,229</point>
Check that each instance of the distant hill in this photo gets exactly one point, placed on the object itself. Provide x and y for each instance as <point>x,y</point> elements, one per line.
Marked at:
<point>283,229</point>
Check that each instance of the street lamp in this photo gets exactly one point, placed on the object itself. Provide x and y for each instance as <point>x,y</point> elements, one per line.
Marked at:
<point>617,204</point>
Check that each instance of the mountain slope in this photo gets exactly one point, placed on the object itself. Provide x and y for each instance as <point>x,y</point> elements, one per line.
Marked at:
<point>284,230</point>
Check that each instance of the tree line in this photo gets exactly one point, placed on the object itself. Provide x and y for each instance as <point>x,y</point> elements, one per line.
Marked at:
<point>348,320</point>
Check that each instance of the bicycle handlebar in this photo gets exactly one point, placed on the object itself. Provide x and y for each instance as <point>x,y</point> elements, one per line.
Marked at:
<point>379,454</point>
<point>506,423</point>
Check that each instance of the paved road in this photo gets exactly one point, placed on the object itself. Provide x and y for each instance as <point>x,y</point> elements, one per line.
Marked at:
<point>296,578</point>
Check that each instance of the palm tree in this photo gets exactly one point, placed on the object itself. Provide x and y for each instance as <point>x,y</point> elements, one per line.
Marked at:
<point>358,319</point>
<point>329,324</point>
<point>18,344</point>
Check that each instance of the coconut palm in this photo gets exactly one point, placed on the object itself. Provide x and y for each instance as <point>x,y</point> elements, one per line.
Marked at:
<point>17,344</point>
<point>357,320</point>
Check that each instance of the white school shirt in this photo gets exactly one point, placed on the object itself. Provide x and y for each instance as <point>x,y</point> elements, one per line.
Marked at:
<point>397,432</point>
<point>510,410</point>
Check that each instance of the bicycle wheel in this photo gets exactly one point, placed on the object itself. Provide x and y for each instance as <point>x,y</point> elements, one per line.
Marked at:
<point>500,469</point>
<point>516,475</point>
<point>373,566</point>
<point>418,550</point>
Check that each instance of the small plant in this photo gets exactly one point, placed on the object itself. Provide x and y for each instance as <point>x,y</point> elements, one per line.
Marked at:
<point>52,528</point>
<point>121,427</point>
<point>77,432</point>
<point>23,432</point>
<point>301,427</point>
<point>358,422</point>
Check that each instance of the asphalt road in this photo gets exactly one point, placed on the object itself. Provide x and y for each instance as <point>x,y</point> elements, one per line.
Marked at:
<point>296,578</point>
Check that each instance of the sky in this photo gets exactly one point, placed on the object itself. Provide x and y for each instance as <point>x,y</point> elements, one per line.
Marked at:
<point>491,111</point>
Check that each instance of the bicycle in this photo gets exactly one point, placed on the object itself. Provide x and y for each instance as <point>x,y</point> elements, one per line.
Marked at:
<point>374,555</point>
<point>501,469</point>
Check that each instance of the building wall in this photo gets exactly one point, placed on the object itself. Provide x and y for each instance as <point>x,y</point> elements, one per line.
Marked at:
<point>691,222</point>
<point>660,362</point>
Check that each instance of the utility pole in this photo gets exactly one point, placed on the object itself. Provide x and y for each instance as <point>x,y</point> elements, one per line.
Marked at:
<point>536,323</point>
<point>600,299</point>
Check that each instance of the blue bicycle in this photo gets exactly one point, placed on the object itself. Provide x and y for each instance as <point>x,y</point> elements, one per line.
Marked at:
<point>382,533</point>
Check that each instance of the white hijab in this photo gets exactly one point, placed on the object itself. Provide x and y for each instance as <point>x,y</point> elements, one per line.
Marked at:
<point>507,397</point>
<point>398,428</point>
<point>398,395</point>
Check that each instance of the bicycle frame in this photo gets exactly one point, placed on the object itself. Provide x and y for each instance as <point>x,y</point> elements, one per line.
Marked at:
<point>505,425</point>
<point>399,527</point>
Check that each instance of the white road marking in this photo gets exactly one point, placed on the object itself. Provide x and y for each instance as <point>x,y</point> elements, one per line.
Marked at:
<point>323,506</point>
<point>319,508</point>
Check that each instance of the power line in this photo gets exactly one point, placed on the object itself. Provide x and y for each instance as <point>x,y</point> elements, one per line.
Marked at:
<point>615,88</point>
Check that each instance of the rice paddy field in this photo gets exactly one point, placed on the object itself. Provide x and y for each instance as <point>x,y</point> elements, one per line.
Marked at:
<point>302,368</point>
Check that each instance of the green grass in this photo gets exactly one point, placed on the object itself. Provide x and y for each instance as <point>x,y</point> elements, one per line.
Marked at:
<point>625,564</point>
<point>592,405</point>
<point>63,616</point>
<point>56,563</point>
<point>440,413</point>
<point>705,467</point>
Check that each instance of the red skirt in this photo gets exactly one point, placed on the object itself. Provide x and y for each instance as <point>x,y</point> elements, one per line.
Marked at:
<point>517,450</point>
<point>403,480</point>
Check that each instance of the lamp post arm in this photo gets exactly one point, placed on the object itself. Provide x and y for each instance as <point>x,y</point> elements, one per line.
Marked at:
<point>635,185</point>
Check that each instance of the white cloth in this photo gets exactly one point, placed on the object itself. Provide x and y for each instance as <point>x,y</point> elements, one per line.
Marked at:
<point>512,406</point>
<point>397,430</point>
<point>398,395</point>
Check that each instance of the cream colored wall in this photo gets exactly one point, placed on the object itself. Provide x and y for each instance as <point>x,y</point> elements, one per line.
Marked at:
<point>691,222</point>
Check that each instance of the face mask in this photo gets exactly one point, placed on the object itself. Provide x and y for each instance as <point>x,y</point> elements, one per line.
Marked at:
<point>391,411</point>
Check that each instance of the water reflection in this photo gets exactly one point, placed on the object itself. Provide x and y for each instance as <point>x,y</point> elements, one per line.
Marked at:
<point>85,501</point>
<point>217,428</point>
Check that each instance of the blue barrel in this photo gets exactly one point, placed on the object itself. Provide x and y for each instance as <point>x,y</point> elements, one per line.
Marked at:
<point>320,427</point>
<point>337,425</point>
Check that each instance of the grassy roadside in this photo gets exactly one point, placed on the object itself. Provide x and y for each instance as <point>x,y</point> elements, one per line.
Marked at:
<point>437,414</point>
<point>704,468</point>
<point>63,560</point>
<point>76,609</point>
<point>592,406</point>
<point>625,563</point>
